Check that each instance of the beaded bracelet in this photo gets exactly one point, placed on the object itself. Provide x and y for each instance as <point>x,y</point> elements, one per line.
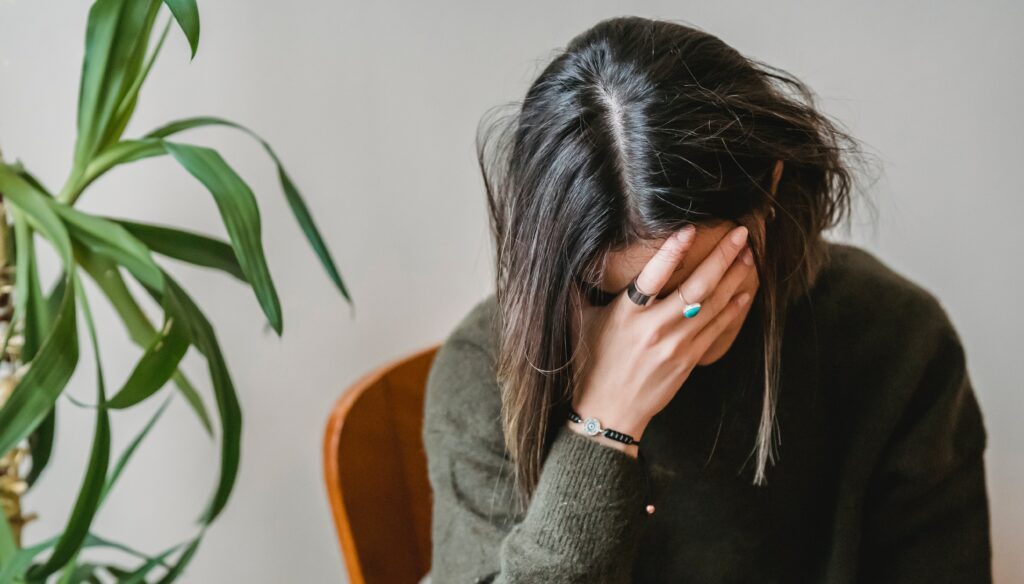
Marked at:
<point>592,426</point>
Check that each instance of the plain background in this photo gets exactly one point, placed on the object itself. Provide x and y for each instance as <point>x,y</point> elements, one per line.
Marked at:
<point>373,107</point>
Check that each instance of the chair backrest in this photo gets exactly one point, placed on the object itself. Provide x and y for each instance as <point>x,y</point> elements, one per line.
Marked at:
<point>376,473</point>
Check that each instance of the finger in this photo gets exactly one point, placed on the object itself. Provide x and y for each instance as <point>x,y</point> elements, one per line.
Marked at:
<point>718,324</point>
<point>702,281</point>
<point>734,277</point>
<point>659,269</point>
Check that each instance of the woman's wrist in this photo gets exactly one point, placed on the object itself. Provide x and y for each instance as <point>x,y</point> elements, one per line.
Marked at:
<point>630,423</point>
<point>630,449</point>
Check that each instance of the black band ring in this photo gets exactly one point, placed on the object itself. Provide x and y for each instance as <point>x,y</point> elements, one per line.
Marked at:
<point>639,298</point>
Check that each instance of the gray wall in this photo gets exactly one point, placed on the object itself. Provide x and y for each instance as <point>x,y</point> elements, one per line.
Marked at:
<point>373,107</point>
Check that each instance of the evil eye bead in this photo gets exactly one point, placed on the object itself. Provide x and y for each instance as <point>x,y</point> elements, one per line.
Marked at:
<point>591,426</point>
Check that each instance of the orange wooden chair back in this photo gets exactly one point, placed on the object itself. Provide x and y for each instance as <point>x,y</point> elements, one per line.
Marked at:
<point>376,473</point>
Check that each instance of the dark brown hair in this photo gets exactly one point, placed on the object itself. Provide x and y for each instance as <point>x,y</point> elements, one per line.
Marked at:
<point>635,129</point>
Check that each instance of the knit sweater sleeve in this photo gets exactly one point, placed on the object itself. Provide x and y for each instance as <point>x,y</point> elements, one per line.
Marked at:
<point>583,521</point>
<point>927,517</point>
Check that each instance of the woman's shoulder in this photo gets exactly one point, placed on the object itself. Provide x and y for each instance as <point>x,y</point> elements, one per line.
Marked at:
<point>477,327</point>
<point>859,291</point>
<point>883,332</point>
<point>462,392</point>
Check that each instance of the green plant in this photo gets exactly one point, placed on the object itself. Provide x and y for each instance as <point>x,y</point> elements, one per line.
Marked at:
<point>41,342</point>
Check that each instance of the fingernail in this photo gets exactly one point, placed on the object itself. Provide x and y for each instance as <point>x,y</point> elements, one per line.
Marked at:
<point>743,299</point>
<point>685,233</point>
<point>740,235</point>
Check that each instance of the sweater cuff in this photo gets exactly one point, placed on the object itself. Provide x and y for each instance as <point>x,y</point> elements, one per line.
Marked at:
<point>589,502</point>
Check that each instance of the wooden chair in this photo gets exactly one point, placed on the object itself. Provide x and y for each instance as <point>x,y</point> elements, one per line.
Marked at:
<point>376,473</point>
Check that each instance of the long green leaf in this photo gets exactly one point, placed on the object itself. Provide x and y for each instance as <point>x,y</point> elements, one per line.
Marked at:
<point>110,239</point>
<point>165,351</point>
<point>33,310</point>
<point>139,575</point>
<point>115,43</point>
<point>155,368</point>
<point>76,573</point>
<point>126,106</point>
<point>91,490</point>
<point>93,540</point>
<point>15,567</point>
<point>183,561</point>
<point>40,444</point>
<point>30,306</point>
<point>192,248</point>
<point>294,198</point>
<point>41,441</point>
<point>106,275</point>
<point>12,571</point>
<point>37,208</point>
<point>34,396</point>
<point>129,451</point>
<point>123,152</point>
<point>187,15</point>
<point>52,366</point>
<point>135,71</point>
<point>203,337</point>
<point>8,547</point>
<point>241,217</point>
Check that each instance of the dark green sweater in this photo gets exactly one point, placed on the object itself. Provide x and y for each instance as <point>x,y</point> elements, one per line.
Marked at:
<point>880,476</point>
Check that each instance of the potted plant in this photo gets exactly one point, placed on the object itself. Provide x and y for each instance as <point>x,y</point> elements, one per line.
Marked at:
<point>41,337</point>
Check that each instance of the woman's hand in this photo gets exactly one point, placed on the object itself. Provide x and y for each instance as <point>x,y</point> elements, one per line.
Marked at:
<point>639,356</point>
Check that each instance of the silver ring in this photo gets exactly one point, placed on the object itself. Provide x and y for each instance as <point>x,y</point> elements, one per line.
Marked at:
<point>690,309</point>
<point>639,298</point>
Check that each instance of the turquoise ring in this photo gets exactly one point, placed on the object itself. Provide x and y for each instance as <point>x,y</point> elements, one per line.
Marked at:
<point>690,309</point>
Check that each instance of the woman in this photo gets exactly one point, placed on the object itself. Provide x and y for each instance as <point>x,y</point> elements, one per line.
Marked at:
<point>678,379</point>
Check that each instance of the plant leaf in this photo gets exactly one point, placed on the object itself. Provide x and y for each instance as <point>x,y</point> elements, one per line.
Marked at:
<point>165,350</point>
<point>106,275</point>
<point>241,217</point>
<point>192,248</point>
<point>126,106</point>
<point>30,306</point>
<point>36,206</point>
<point>10,572</point>
<point>16,565</point>
<point>129,451</point>
<point>35,312</point>
<point>8,547</point>
<point>203,337</point>
<point>110,239</point>
<point>187,15</point>
<point>55,361</point>
<point>157,365</point>
<point>89,494</point>
<point>139,575</point>
<point>48,373</point>
<point>183,561</point>
<point>294,198</point>
<point>116,37</point>
<point>93,540</point>
<point>122,152</point>
<point>135,69</point>
<point>40,444</point>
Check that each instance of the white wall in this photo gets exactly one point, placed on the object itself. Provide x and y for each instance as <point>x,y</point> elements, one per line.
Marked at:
<point>373,106</point>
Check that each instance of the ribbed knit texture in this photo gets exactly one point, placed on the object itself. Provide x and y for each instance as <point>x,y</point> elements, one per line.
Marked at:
<point>880,479</point>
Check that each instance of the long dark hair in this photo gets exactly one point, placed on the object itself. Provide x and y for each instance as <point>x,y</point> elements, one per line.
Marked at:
<point>635,129</point>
